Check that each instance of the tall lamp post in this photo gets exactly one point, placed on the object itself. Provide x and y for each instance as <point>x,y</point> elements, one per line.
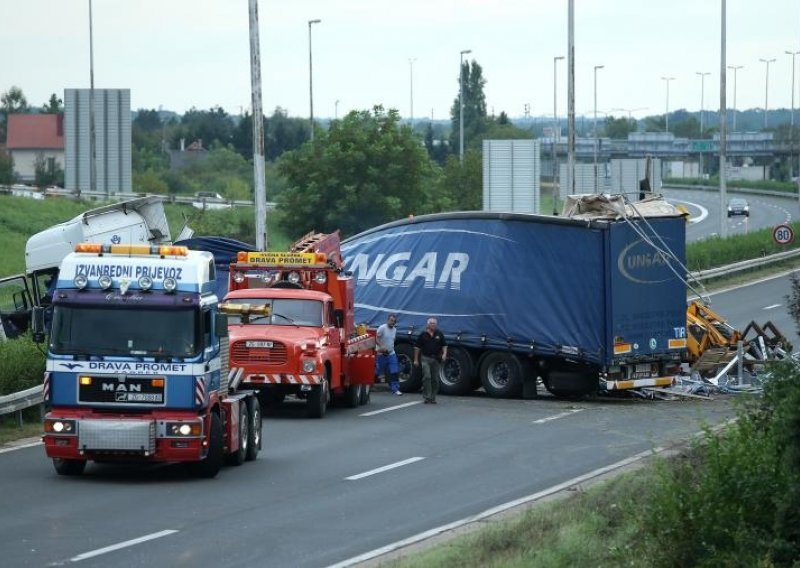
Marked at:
<point>596,67</point>
<point>411,61</point>
<point>791,130</point>
<point>311,80</point>
<point>666,114</point>
<point>735,68</point>
<point>92,128</point>
<point>702,75</point>
<point>766,89</point>
<point>461,106</point>
<point>556,135</point>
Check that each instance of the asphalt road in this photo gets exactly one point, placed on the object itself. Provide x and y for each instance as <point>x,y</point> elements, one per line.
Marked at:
<point>324,491</point>
<point>704,207</point>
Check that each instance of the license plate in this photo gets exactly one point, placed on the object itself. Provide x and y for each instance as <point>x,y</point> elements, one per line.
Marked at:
<point>263,344</point>
<point>130,390</point>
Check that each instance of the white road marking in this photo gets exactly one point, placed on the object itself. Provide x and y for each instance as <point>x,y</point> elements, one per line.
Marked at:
<point>772,306</point>
<point>120,545</point>
<point>557,416</point>
<point>494,510</point>
<point>21,446</point>
<point>692,219</point>
<point>384,468</point>
<point>398,407</point>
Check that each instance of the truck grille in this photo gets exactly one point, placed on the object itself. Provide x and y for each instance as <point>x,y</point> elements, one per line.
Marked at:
<point>121,435</point>
<point>275,355</point>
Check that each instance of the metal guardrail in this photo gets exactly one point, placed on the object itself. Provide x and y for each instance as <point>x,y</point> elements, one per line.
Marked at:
<point>734,189</point>
<point>19,401</point>
<point>744,265</point>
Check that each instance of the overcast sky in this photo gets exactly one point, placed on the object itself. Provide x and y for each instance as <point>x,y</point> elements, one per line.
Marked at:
<point>178,54</point>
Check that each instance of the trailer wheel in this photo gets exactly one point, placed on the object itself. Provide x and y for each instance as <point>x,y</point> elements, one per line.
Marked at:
<point>456,372</point>
<point>254,442</point>
<point>352,395</point>
<point>317,401</point>
<point>210,466</point>
<point>501,375</point>
<point>366,391</point>
<point>410,381</point>
<point>69,467</point>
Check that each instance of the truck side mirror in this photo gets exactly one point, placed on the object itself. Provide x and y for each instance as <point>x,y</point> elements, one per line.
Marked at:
<point>37,324</point>
<point>221,325</point>
<point>338,315</point>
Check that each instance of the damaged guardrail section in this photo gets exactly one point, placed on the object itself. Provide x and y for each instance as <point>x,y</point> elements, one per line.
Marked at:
<point>744,265</point>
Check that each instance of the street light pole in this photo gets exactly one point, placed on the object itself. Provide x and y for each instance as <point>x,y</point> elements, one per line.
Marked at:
<point>702,112</point>
<point>666,114</point>
<point>556,136</point>
<point>791,130</point>
<point>461,106</point>
<point>596,67</point>
<point>311,80</point>
<point>411,88</point>
<point>336,110</point>
<point>766,89</point>
<point>735,68</point>
<point>92,127</point>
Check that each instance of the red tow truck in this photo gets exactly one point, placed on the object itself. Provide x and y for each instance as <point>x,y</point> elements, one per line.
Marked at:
<point>291,321</point>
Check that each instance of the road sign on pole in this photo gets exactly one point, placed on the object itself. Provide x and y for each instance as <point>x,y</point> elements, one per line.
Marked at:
<point>783,234</point>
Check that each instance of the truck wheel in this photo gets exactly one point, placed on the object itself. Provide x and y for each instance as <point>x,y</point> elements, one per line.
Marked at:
<point>69,467</point>
<point>352,395</point>
<point>456,372</point>
<point>410,381</point>
<point>317,401</point>
<point>238,456</point>
<point>501,375</point>
<point>210,466</point>
<point>254,443</point>
<point>365,394</point>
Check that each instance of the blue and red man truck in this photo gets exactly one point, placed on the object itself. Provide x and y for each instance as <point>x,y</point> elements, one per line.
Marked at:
<point>137,363</point>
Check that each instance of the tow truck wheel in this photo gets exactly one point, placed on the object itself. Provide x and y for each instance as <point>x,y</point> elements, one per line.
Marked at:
<point>210,466</point>
<point>365,394</point>
<point>69,467</point>
<point>254,442</point>
<point>501,375</point>
<point>238,456</point>
<point>352,395</point>
<point>317,401</point>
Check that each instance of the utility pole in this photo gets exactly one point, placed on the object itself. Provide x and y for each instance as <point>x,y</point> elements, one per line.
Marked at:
<point>556,136</point>
<point>258,130</point>
<point>311,80</point>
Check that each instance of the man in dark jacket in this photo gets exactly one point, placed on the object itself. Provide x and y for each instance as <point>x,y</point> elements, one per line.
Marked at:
<point>431,349</point>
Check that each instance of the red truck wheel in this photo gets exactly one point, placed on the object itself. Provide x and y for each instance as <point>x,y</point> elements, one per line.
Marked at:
<point>69,467</point>
<point>210,466</point>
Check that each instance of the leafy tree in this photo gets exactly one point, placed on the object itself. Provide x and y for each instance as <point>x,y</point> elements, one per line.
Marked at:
<point>149,181</point>
<point>619,128</point>
<point>147,120</point>
<point>364,171</point>
<point>474,108</point>
<point>6,168</point>
<point>438,149</point>
<point>460,188</point>
<point>209,126</point>
<point>47,171</point>
<point>11,102</point>
<point>281,134</point>
<point>54,105</point>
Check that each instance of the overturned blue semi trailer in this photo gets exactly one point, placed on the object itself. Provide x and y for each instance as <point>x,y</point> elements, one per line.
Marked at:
<point>593,302</point>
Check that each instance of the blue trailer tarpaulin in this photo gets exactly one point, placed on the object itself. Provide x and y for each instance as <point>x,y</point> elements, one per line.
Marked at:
<point>542,284</point>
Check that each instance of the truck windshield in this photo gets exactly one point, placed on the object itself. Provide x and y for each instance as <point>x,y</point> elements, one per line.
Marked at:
<point>102,331</point>
<point>284,312</point>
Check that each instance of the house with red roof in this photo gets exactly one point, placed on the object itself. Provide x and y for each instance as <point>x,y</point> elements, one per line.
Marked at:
<point>30,136</point>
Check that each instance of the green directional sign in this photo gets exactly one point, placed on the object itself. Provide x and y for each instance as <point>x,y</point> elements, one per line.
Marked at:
<point>701,146</point>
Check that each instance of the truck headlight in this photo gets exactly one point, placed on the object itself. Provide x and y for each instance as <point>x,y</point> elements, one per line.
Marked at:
<point>294,277</point>
<point>58,426</point>
<point>238,277</point>
<point>104,281</point>
<point>309,366</point>
<point>320,277</point>
<point>81,281</point>
<point>145,283</point>
<point>184,429</point>
<point>170,284</point>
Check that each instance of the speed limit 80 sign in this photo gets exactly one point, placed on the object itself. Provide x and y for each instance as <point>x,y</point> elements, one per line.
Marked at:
<point>783,234</point>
